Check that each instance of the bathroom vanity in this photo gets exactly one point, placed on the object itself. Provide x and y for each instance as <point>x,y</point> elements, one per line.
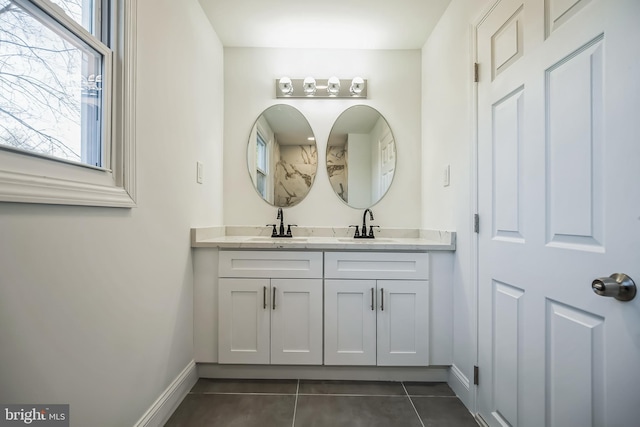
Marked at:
<point>322,304</point>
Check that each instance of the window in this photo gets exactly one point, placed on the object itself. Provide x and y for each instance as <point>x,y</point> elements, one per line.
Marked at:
<point>262,156</point>
<point>66,104</point>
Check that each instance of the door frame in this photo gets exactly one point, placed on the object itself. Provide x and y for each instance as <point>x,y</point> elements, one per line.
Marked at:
<point>475,196</point>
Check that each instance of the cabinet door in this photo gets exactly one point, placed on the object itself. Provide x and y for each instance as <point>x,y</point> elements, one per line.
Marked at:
<point>350,322</point>
<point>296,321</point>
<point>403,323</point>
<point>243,321</point>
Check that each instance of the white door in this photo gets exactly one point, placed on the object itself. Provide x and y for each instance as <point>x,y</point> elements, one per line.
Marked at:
<point>243,321</point>
<point>296,321</point>
<point>559,206</point>
<point>403,323</point>
<point>386,163</point>
<point>350,322</point>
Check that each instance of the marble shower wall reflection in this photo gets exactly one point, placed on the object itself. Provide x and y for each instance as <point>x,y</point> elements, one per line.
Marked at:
<point>337,169</point>
<point>294,174</point>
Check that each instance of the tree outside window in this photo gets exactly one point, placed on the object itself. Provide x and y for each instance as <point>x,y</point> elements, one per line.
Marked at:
<point>51,81</point>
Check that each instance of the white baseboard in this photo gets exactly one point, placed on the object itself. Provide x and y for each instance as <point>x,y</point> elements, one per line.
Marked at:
<point>464,389</point>
<point>460,378</point>
<point>158,414</point>
<point>481,422</point>
<point>461,386</point>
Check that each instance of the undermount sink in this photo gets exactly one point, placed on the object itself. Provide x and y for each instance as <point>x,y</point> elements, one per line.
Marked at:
<point>377,239</point>
<point>277,239</point>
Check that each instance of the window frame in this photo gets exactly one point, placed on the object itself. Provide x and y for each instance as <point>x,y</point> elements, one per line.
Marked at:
<point>32,178</point>
<point>262,172</point>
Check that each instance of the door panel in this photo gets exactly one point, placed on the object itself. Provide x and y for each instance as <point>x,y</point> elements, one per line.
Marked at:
<point>508,115</point>
<point>350,322</point>
<point>559,206</point>
<point>507,349</point>
<point>403,323</point>
<point>243,321</point>
<point>296,321</point>
<point>558,12</point>
<point>575,367</point>
<point>574,167</point>
<point>507,43</point>
<point>387,163</point>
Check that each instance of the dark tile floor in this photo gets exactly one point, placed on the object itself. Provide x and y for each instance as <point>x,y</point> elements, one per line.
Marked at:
<point>306,403</point>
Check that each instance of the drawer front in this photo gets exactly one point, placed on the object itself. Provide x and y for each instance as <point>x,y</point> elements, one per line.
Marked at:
<point>376,265</point>
<point>270,264</point>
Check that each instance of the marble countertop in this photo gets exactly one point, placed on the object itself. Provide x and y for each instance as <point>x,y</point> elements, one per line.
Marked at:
<point>322,238</point>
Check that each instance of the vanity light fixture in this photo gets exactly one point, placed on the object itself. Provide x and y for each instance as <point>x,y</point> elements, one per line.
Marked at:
<point>321,88</point>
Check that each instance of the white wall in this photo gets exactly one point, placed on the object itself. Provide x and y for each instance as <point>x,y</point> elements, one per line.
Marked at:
<point>96,304</point>
<point>394,90</point>
<point>447,128</point>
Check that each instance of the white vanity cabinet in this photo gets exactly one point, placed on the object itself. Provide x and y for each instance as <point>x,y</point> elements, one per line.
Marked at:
<point>376,308</point>
<point>270,307</point>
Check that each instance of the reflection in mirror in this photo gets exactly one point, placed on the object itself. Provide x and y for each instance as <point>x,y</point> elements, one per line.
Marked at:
<point>282,156</point>
<point>361,156</point>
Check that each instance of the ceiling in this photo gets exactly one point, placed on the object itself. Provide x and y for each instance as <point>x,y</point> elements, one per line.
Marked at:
<point>334,24</point>
<point>289,125</point>
<point>292,128</point>
<point>357,119</point>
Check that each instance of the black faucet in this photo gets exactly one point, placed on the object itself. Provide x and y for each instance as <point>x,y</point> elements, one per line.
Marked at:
<point>364,220</point>
<point>364,234</point>
<point>280,216</point>
<point>281,233</point>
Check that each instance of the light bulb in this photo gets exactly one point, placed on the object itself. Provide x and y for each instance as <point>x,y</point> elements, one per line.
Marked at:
<point>309,86</point>
<point>357,85</point>
<point>285,85</point>
<point>333,86</point>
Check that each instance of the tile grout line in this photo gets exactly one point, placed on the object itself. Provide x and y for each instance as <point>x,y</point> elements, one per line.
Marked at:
<point>352,395</point>
<point>295,405</point>
<point>434,396</point>
<point>412,405</point>
<point>241,393</point>
<point>315,394</point>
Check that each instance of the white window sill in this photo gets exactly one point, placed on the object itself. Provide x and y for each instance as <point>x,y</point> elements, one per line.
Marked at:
<point>25,188</point>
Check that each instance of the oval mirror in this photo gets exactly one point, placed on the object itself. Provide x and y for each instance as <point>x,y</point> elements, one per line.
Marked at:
<point>282,156</point>
<point>361,156</point>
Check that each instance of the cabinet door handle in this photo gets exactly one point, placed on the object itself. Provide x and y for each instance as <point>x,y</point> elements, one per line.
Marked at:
<point>373,304</point>
<point>264,297</point>
<point>382,299</point>
<point>273,306</point>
